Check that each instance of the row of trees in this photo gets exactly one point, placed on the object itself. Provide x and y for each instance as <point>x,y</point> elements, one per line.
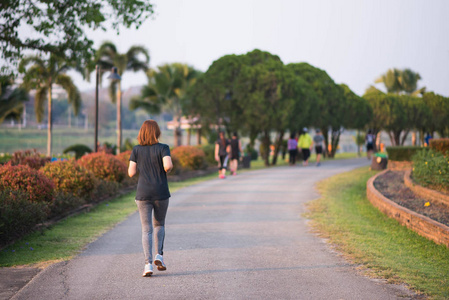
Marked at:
<point>254,93</point>
<point>259,96</point>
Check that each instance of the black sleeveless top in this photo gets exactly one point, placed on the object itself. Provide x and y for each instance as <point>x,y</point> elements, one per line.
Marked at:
<point>235,151</point>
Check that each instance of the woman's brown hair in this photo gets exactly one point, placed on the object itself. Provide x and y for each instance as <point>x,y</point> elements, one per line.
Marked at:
<point>149,133</point>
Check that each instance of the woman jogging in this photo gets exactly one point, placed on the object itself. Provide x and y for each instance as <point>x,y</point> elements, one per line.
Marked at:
<point>236,149</point>
<point>292,145</point>
<point>152,160</point>
<point>222,149</point>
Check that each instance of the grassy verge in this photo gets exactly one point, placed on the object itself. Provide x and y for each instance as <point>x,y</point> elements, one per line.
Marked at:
<point>368,237</point>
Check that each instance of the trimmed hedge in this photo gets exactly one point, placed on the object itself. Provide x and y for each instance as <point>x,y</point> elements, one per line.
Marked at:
<point>402,153</point>
<point>78,149</point>
<point>190,157</point>
<point>69,177</point>
<point>38,187</point>
<point>431,169</point>
<point>441,145</point>
<point>104,166</point>
<point>18,216</point>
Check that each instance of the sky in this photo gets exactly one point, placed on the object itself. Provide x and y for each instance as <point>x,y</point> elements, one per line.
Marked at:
<point>354,41</point>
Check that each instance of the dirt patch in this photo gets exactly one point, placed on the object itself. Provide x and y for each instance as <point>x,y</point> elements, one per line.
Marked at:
<point>391,185</point>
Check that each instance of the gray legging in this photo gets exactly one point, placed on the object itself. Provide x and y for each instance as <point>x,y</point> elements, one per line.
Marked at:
<point>146,208</point>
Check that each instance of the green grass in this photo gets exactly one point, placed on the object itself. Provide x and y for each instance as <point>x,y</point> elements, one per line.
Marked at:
<point>368,237</point>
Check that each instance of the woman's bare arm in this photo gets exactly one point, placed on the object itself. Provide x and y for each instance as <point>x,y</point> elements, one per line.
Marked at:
<point>132,169</point>
<point>168,164</point>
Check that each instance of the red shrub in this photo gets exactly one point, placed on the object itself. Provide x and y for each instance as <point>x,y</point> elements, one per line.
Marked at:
<point>23,178</point>
<point>70,177</point>
<point>104,166</point>
<point>124,157</point>
<point>190,157</point>
<point>441,145</point>
<point>31,158</point>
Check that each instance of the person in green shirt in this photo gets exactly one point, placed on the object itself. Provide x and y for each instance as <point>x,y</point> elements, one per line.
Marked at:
<point>305,144</point>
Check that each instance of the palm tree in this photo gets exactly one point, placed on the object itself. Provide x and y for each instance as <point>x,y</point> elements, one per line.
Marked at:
<point>406,81</point>
<point>135,59</point>
<point>166,89</point>
<point>397,81</point>
<point>40,75</point>
<point>11,99</point>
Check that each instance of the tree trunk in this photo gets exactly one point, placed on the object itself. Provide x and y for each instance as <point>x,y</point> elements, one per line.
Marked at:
<point>189,134</point>
<point>49,124</point>
<point>198,136</point>
<point>24,125</point>
<point>70,117</point>
<point>414,138</point>
<point>119,117</point>
<point>277,147</point>
<point>335,140</point>
<point>390,134</point>
<point>326,142</point>
<point>266,148</point>
<point>397,138</point>
<point>177,133</point>
<point>404,137</point>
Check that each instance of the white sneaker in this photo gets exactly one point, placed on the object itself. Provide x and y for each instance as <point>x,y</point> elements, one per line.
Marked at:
<point>148,271</point>
<point>159,262</point>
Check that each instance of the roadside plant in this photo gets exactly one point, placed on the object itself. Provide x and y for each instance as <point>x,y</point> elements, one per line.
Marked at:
<point>38,187</point>
<point>18,215</point>
<point>71,178</point>
<point>124,157</point>
<point>104,166</point>
<point>190,157</point>
<point>31,158</point>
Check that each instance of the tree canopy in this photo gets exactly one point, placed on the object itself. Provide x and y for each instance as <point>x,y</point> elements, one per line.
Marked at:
<point>58,27</point>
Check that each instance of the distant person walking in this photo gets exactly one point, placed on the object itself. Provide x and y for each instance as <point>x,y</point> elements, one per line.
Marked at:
<point>427,139</point>
<point>292,146</point>
<point>305,143</point>
<point>370,138</point>
<point>152,160</point>
<point>236,150</point>
<point>222,149</point>
<point>318,142</point>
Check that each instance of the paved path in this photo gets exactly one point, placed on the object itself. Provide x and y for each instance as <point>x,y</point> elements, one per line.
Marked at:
<point>239,238</point>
